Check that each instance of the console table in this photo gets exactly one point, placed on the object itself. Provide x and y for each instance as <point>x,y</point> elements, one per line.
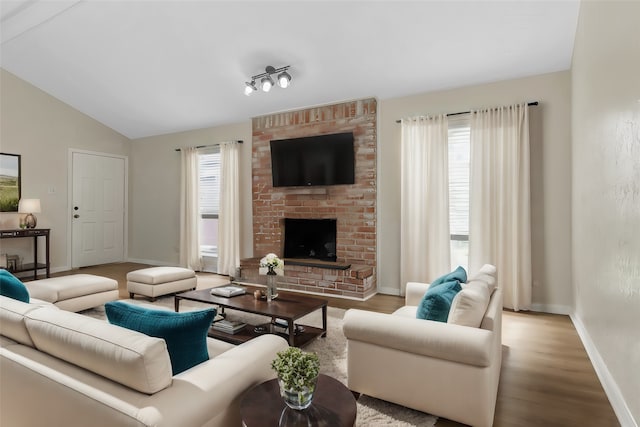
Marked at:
<point>35,233</point>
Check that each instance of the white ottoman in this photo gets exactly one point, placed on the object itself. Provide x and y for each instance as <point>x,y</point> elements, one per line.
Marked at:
<point>157,281</point>
<point>75,292</point>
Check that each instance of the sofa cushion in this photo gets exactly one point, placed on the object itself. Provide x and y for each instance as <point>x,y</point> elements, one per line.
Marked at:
<point>185,333</point>
<point>124,356</point>
<point>12,322</point>
<point>470,304</point>
<point>487,273</point>
<point>63,288</point>
<point>159,275</point>
<point>12,287</point>
<point>437,301</point>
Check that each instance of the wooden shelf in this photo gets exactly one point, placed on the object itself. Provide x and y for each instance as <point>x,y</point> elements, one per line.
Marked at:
<point>248,332</point>
<point>311,191</point>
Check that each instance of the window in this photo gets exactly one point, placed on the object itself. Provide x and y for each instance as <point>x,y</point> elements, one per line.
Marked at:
<point>459,160</point>
<point>209,198</point>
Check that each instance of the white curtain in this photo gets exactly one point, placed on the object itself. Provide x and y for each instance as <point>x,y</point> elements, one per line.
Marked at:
<point>229,218</point>
<point>424,233</point>
<point>500,225</point>
<point>189,211</point>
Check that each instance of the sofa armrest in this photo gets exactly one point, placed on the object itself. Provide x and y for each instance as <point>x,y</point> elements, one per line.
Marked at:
<point>472,346</point>
<point>216,386</point>
<point>414,292</point>
<point>238,368</point>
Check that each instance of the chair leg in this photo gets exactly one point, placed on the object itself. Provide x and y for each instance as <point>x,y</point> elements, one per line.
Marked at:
<point>130,295</point>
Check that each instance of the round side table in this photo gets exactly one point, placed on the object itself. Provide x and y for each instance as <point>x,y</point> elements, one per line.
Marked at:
<point>333,405</point>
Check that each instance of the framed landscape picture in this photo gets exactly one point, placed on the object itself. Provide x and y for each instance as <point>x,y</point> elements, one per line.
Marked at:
<point>9,182</point>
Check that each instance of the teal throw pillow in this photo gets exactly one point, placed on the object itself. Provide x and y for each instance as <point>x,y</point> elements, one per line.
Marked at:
<point>436,302</point>
<point>185,333</point>
<point>12,287</point>
<point>459,274</point>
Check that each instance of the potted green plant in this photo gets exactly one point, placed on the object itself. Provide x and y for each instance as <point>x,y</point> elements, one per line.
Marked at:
<point>297,376</point>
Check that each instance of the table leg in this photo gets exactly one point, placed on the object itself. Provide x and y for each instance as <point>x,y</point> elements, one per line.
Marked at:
<point>324,320</point>
<point>292,333</point>
<point>35,257</point>
<point>46,259</point>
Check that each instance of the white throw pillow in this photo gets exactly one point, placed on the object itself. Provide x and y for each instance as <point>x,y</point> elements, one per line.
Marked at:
<point>470,304</point>
<point>487,273</point>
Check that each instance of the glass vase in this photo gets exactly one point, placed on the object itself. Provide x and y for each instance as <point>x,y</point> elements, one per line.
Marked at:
<point>272,286</point>
<point>298,398</point>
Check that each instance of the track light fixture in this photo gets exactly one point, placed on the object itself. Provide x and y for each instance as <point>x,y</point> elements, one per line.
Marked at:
<point>266,81</point>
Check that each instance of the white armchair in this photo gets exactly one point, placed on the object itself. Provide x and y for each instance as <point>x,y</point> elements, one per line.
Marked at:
<point>444,369</point>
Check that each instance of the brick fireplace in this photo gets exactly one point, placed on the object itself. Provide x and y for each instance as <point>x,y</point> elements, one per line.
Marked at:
<point>353,206</point>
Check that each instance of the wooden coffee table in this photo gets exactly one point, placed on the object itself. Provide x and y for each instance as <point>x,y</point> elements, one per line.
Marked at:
<point>288,307</point>
<point>333,405</point>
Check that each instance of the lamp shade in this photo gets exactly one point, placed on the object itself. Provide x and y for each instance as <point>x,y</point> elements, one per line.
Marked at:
<point>284,79</point>
<point>29,206</point>
<point>267,83</point>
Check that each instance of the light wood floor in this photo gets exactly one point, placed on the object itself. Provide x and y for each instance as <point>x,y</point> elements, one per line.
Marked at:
<point>547,378</point>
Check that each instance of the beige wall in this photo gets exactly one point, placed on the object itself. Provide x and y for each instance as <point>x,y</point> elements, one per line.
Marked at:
<point>154,182</point>
<point>154,172</point>
<point>550,180</point>
<point>606,195</point>
<point>42,129</point>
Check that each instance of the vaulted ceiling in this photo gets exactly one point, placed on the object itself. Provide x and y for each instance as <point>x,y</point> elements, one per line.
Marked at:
<point>153,67</point>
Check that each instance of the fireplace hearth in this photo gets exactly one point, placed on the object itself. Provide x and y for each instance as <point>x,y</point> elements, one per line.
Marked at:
<point>310,239</point>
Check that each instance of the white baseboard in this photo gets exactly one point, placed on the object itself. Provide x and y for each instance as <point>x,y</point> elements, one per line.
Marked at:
<point>152,262</point>
<point>608,383</point>
<point>389,291</point>
<point>60,269</point>
<point>552,309</point>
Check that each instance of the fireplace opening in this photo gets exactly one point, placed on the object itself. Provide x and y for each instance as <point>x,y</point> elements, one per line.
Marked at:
<point>310,239</point>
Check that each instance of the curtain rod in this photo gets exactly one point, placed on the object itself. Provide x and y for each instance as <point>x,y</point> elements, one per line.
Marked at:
<point>239,141</point>
<point>530,104</point>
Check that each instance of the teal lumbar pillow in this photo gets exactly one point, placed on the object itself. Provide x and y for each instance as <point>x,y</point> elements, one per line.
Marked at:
<point>436,302</point>
<point>185,333</point>
<point>12,287</point>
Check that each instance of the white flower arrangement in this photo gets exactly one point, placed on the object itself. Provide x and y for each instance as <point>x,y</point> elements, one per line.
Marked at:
<point>271,261</point>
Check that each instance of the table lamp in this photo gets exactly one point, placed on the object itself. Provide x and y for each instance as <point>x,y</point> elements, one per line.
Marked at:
<point>29,206</point>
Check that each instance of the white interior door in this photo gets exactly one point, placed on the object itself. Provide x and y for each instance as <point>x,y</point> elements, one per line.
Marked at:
<point>98,203</point>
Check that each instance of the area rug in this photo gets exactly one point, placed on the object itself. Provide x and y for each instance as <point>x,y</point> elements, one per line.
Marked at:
<point>332,352</point>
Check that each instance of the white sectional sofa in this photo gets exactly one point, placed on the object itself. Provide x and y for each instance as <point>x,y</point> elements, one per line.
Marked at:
<point>444,369</point>
<point>60,368</point>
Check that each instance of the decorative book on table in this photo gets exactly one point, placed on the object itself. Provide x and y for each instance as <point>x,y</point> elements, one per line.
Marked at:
<point>228,291</point>
<point>229,326</point>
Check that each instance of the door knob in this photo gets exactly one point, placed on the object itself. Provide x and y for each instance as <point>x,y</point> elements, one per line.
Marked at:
<point>76,216</point>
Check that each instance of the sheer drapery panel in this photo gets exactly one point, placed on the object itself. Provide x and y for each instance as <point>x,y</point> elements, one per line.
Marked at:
<point>229,218</point>
<point>424,246</point>
<point>500,223</point>
<point>189,210</point>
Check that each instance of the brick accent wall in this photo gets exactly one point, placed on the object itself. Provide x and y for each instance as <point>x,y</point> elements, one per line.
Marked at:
<point>354,206</point>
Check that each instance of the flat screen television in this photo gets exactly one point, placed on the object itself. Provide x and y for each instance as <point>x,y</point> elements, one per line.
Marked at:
<point>313,160</point>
